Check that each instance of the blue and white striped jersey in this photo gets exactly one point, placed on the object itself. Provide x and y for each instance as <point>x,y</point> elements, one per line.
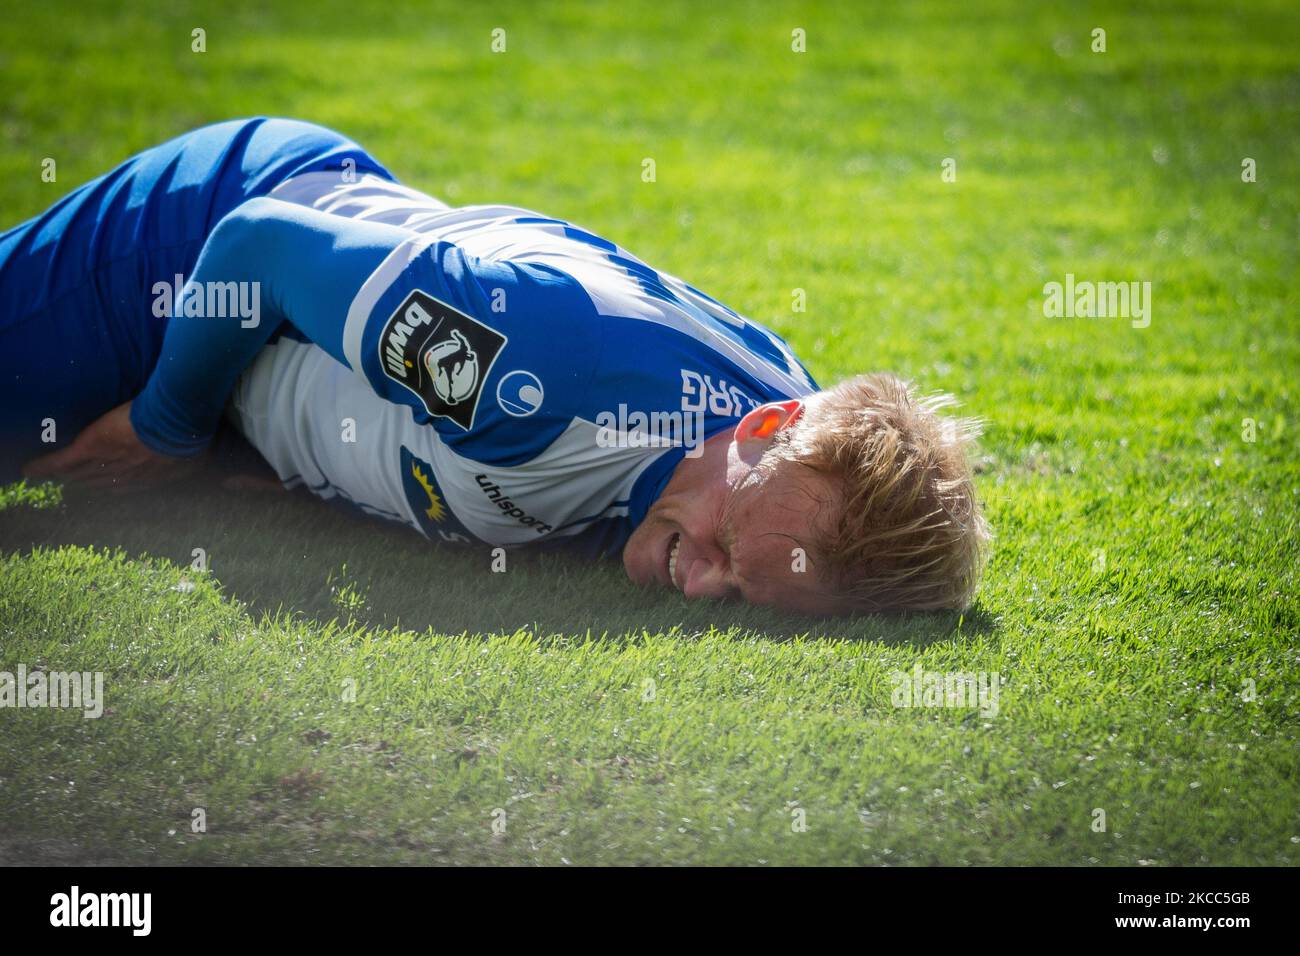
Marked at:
<point>513,378</point>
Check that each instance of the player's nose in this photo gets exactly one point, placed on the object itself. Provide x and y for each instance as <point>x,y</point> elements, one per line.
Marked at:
<point>708,577</point>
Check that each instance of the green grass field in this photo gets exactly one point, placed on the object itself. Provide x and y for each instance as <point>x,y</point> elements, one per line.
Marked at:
<point>1140,604</point>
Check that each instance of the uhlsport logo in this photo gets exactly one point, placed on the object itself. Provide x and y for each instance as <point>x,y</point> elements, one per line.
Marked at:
<point>508,507</point>
<point>519,393</point>
<point>440,354</point>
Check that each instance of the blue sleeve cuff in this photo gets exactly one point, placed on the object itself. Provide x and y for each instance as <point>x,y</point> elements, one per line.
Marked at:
<point>161,427</point>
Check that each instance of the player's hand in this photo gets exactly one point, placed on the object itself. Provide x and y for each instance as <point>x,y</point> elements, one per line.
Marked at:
<point>108,452</point>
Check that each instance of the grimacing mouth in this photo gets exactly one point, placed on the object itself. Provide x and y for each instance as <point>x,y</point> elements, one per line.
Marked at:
<point>670,558</point>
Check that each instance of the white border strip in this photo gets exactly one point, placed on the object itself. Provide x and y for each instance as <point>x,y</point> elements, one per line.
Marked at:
<point>372,289</point>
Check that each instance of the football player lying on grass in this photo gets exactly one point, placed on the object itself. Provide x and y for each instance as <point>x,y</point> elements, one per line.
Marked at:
<point>485,374</point>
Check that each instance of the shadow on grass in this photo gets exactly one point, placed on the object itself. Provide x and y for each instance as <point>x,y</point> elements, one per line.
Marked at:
<point>275,550</point>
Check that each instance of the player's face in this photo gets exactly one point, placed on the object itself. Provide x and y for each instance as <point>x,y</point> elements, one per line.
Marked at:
<point>722,529</point>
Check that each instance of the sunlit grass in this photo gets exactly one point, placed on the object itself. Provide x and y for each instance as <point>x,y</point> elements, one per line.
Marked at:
<point>1140,603</point>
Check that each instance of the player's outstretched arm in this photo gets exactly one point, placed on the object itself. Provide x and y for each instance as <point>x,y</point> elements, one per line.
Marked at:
<point>294,264</point>
<point>291,263</point>
<point>338,281</point>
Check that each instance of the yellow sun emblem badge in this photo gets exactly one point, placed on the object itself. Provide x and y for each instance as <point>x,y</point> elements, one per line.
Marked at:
<point>435,511</point>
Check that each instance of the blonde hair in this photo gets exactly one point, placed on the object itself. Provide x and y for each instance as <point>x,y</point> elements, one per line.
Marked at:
<point>908,532</point>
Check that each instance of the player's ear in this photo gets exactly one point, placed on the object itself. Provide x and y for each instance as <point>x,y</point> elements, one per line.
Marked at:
<point>766,420</point>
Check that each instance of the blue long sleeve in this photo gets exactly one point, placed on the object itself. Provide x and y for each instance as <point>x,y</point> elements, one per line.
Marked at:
<point>288,263</point>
